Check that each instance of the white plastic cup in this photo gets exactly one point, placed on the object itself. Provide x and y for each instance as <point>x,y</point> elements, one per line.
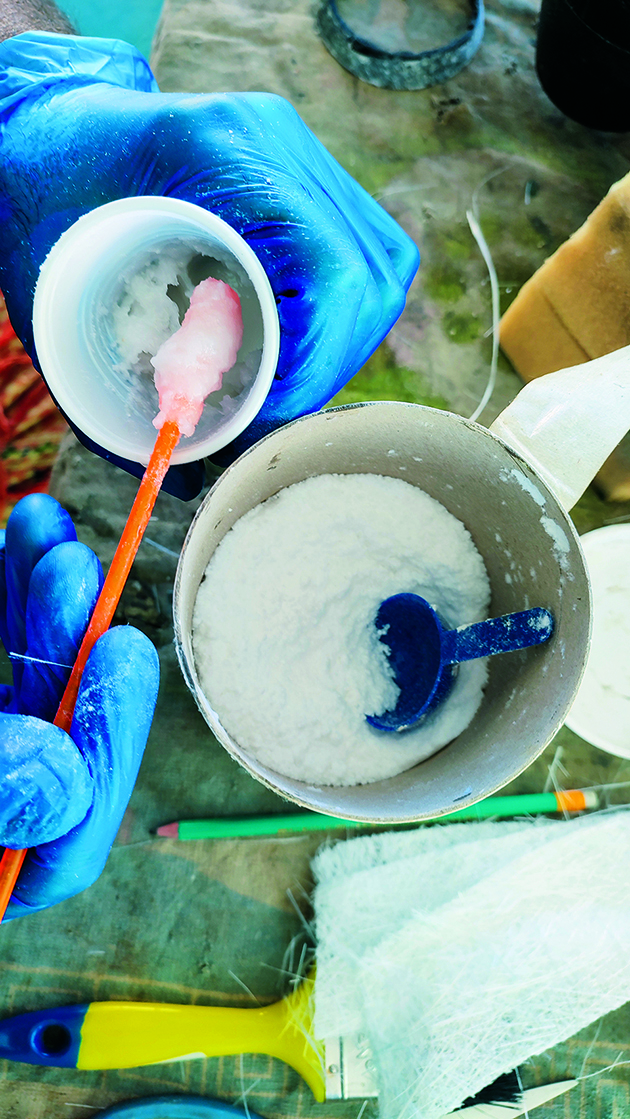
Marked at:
<point>79,283</point>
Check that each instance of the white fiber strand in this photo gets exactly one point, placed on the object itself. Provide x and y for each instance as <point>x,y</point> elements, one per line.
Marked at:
<point>475,229</point>
<point>474,948</point>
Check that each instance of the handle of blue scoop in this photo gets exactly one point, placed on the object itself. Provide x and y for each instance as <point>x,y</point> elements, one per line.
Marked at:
<point>497,635</point>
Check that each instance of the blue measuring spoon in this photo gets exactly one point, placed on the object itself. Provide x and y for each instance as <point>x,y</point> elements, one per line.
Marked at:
<point>422,653</point>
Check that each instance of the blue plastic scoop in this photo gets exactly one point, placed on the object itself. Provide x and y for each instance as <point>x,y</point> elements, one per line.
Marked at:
<point>422,653</point>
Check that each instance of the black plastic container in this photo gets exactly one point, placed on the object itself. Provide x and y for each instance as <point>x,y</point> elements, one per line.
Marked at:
<point>583,60</point>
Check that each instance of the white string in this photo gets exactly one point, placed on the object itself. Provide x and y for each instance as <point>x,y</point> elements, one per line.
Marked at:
<point>520,1084</point>
<point>475,229</point>
<point>244,986</point>
<point>244,1092</point>
<point>160,547</point>
<point>554,766</point>
<point>590,1048</point>
<point>617,1063</point>
<point>37,660</point>
<point>308,927</point>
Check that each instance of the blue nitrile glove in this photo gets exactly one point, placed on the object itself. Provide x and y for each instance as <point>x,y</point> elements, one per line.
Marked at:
<point>82,123</point>
<point>61,794</point>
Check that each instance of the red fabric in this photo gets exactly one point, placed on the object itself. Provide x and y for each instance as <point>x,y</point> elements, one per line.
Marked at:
<point>31,427</point>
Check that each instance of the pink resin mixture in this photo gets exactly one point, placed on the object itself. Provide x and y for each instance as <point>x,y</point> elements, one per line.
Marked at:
<point>191,363</point>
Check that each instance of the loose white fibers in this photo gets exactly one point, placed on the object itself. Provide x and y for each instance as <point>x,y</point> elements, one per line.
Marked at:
<point>283,630</point>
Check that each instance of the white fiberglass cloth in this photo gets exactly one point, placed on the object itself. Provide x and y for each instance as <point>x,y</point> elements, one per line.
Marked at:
<point>462,950</point>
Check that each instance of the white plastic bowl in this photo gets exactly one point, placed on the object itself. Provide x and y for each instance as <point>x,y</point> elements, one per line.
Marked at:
<point>601,711</point>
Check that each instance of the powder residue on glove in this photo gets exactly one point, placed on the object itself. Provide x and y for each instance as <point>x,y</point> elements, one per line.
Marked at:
<point>190,364</point>
<point>283,631</point>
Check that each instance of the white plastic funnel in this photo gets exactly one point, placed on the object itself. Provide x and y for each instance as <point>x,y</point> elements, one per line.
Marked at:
<point>80,282</point>
<point>567,423</point>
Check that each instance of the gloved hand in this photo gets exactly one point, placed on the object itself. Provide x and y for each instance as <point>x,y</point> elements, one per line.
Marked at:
<point>61,794</point>
<point>82,123</point>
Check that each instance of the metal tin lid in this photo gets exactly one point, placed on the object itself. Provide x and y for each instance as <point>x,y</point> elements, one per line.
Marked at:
<point>398,69</point>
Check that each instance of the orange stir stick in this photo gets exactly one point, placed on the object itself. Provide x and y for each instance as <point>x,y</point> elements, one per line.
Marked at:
<point>137,521</point>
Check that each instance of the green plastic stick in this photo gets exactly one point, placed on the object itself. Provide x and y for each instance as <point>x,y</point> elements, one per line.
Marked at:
<point>530,804</point>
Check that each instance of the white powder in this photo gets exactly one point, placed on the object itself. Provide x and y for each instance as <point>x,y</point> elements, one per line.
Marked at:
<point>146,309</point>
<point>144,315</point>
<point>283,630</point>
